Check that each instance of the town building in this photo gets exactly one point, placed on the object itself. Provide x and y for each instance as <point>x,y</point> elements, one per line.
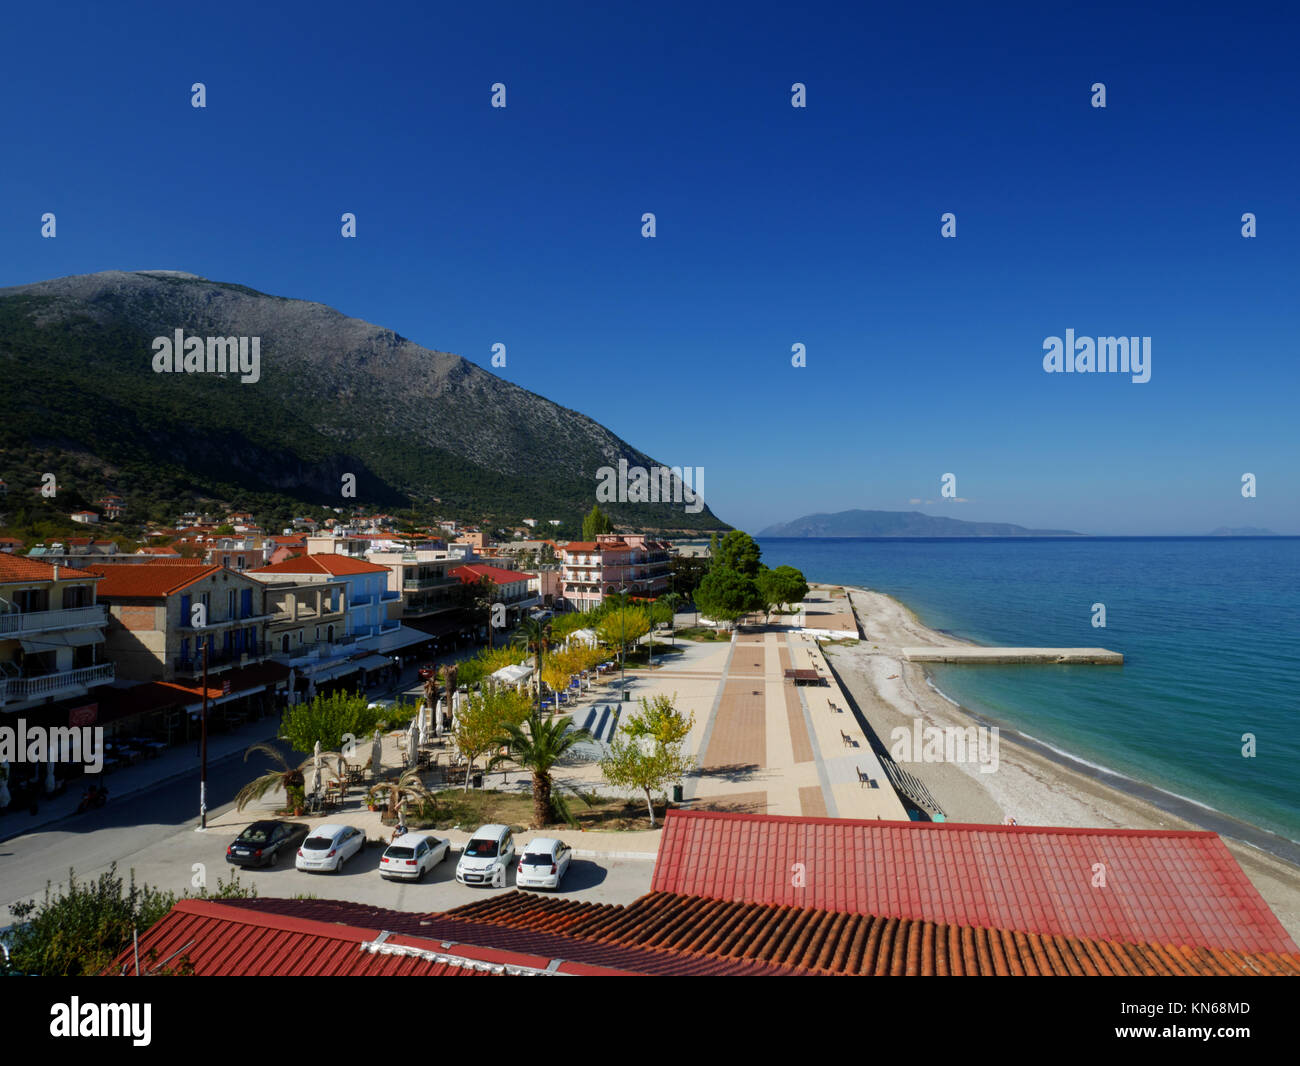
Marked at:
<point>611,564</point>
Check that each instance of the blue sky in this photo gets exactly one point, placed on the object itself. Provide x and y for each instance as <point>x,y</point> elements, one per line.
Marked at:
<point>776,225</point>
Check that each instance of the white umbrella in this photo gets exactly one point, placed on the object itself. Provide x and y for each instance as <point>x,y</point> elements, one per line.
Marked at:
<point>376,756</point>
<point>412,744</point>
<point>4,785</point>
<point>437,720</point>
<point>424,723</point>
<point>50,786</point>
<point>315,768</point>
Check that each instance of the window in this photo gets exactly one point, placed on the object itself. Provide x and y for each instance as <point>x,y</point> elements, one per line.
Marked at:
<point>230,603</point>
<point>246,603</point>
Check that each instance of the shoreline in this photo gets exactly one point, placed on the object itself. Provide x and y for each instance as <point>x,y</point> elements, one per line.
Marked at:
<point>1035,783</point>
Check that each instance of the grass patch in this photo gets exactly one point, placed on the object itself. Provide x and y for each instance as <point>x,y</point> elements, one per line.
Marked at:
<point>481,806</point>
<point>703,633</point>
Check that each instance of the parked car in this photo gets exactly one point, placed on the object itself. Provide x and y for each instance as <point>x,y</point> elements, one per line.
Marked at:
<point>487,856</point>
<point>428,672</point>
<point>328,847</point>
<point>543,863</point>
<point>384,703</point>
<point>262,843</point>
<point>411,856</point>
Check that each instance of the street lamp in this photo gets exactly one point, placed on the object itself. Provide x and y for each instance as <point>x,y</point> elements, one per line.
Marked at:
<point>622,641</point>
<point>203,743</point>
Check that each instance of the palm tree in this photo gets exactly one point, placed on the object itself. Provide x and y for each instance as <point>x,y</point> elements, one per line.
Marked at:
<point>286,777</point>
<point>535,636</point>
<point>408,788</point>
<point>484,598</point>
<point>538,748</point>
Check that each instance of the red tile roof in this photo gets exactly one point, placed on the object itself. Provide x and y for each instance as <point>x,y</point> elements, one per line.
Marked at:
<point>471,573</point>
<point>326,563</point>
<point>540,943</point>
<point>21,568</point>
<point>158,549</point>
<point>152,580</point>
<point>220,940</point>
<point>832,942</point>
<point>1160,887</point>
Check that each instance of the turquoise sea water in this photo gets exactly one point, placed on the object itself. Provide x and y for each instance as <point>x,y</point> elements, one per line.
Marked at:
<point>1209,627</point>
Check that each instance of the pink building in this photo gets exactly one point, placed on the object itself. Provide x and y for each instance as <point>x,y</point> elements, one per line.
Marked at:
<point>595,569</point>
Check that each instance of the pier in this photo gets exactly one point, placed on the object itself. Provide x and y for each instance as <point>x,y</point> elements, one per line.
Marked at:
<point>970,654</point>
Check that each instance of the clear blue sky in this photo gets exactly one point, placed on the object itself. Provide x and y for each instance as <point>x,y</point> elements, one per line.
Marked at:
<point>775,225</point>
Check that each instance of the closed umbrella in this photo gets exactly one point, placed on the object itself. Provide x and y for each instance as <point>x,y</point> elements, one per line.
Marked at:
<point>424,723</point>
<point>437,720</point>
<point>315,769</point>
<point>412,743</point>
<point>376,756</point>
<point>291,678</point>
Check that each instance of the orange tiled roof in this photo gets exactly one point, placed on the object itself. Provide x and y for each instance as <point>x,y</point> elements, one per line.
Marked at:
<point>21,568</point>
<point>469,573</point>
<point>831,942</point>
<point>326,563</point>
<point>151,580</point>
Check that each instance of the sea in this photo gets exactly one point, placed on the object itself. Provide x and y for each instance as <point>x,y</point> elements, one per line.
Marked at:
<point>1205,709</point>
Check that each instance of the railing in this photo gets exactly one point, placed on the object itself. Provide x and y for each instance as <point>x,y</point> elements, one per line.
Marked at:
<point>40,621</point>
<point>362,601</point>
<point>391,594</point>
<point>222,623</point>
<point>415,584</point>
<point>19,688</point>
<point>253,649</point>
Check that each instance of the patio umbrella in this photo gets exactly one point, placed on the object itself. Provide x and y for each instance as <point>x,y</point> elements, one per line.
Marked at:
<point>376,755</point>
<point>424,723</point>
<point>50,786</point>
<point>412,743</point>
<point>315,768</point>
<point>437,720</point>
<point>4,785</point>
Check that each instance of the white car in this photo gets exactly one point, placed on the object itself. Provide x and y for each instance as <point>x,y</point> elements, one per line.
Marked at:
<point>486,857</point>
<point>328,847</point>
<point>543,863</point>
<point>411,856</point>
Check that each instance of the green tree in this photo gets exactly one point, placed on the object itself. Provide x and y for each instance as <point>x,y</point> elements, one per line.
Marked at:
<point>725,596</point>
<point>482,719</point>
<point>537,745</point>
<point>783,585</point>
<point>623,626</point>
<point>739,552</point>
<point>595,523</point>
<point>648,754</point>
<point>534,636</point>
<point>395,795</point>
<point>327,719</point>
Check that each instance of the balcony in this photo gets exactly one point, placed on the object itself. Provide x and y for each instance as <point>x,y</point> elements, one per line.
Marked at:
<point>417,584</point>
<point>16,624</point>
<point>194,664</point>
<point>225,623</point>
<point>62,683</point>
<point>391,594</point>
<point>362,601</point>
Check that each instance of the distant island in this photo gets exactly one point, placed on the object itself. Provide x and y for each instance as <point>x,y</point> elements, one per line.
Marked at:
<point>1242,531</point>
<point>901,524</point>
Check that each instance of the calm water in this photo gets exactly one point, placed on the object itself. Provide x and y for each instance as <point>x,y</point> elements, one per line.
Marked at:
<point>1208,627</point>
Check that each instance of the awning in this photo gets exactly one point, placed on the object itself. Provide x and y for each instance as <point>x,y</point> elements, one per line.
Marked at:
<point>400,637</point>
<point>372,662</point>
<point>68,638</point>
<point>512,675</point>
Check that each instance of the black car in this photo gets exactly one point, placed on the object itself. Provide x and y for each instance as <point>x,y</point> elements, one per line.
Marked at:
<point>262,843</point>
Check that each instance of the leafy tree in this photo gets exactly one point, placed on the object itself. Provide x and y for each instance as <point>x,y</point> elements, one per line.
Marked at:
<point>596,523</point>
<point>327,719</point>
<point>623,626</point>
<point>783,585</point>
<point>534,636</point>
<point>739,552</point>
<point>725,595</point>
<point>482,719</point>
<point>671,601</point>
<point>648,754</point>
<point>538,744</point>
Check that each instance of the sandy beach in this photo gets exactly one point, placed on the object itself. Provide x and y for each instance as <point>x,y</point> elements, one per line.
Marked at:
<point>1031,784</point>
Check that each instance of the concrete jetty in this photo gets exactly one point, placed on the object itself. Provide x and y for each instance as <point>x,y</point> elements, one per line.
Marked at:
<point>968,654</point>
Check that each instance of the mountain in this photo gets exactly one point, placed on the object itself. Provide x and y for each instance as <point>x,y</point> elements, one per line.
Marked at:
<point>1241,531</point>
<point>900,524</point>
<point>334,395</point>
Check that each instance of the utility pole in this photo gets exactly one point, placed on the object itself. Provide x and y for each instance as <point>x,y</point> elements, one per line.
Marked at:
<point>203,744</point>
